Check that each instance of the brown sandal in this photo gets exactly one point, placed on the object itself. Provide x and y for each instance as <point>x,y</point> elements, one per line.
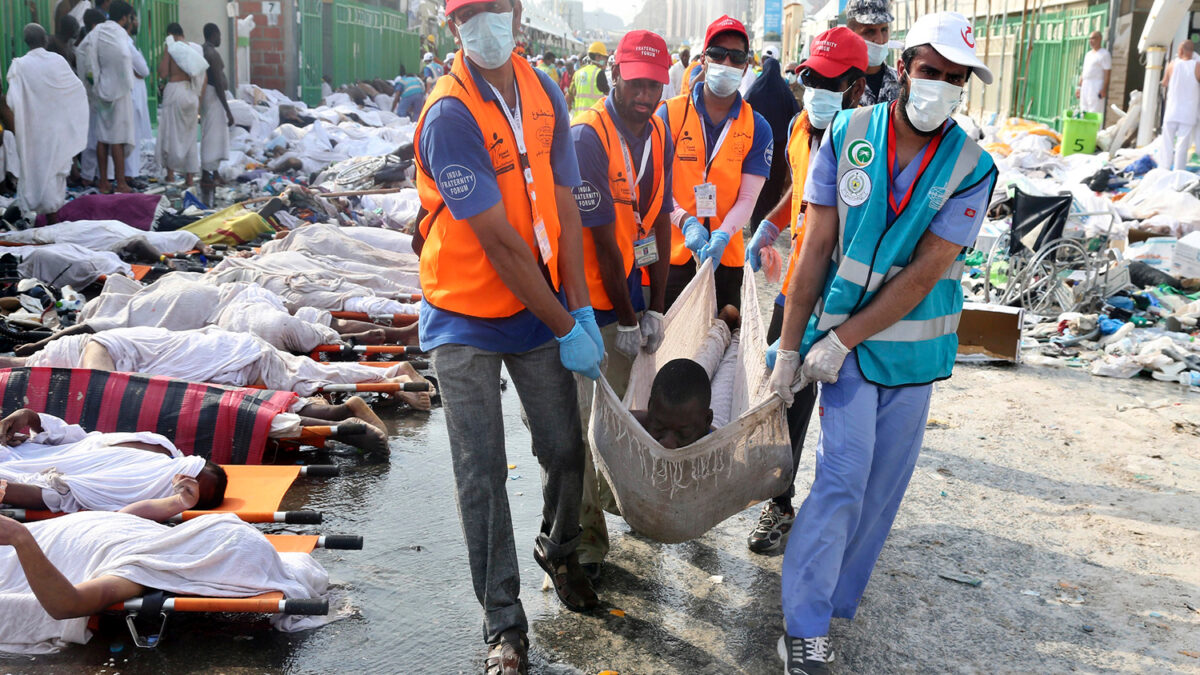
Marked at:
<point>509,656</point>
<point>570,582</point>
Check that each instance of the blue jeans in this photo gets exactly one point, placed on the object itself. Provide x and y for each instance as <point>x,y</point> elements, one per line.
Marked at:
<point>410,107</point>
<point>469,379</point>
<point>870,439</point>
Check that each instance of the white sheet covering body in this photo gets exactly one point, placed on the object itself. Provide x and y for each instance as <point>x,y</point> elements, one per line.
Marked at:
<point>49,106</point>
<point>390,240</point>
<point>102,235</point>
<point>67,264</point>
<point>214,555</point>
<point>209,355</point>
<point>112,82</point>
<point>332,245</point>
<point>79,470</point>
<point>305,282</point>
<point>214,139</point>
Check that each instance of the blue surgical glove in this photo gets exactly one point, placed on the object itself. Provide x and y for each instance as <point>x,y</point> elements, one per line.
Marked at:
<point>764,236</point>
<point>695,234</point>
<point>578,353</point>
<point>587,317</point>
<point>714,249</point>
<point>772,352</point>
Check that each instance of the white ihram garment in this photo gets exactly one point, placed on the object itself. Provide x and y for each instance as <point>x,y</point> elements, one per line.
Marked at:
<point>214,143</point>
<point>1095,64</point>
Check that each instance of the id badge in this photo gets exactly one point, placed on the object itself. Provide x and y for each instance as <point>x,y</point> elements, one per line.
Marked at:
<point>706,200</point>
<point>543,240</point>
<point>645,251</point>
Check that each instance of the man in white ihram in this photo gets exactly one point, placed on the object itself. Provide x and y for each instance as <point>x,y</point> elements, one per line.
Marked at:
<point>1092,91</point>
<point>1181,112</point>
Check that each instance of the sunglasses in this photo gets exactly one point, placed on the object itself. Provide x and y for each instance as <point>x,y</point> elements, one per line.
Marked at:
<point>811,79</point>
<point>737,57</point>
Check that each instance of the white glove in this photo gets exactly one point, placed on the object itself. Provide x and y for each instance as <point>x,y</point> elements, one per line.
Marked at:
<point>629,340</point>
<point>652,330</point>
<point>825,359</point>
<point>786,378</point>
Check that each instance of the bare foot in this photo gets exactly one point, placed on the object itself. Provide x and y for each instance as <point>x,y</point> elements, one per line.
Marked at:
<point>359,408</point>
<point>371,440</point>
<point>123,188</point>
<point>104,186</point>
<point>421,400</point>
<point>374,336</point>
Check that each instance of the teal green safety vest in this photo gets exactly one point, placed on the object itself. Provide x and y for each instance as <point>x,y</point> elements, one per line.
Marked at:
<point>920,348</point>
<point>587,93</point>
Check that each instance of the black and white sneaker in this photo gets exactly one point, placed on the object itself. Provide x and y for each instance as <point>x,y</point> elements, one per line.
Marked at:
<point>773,523</point>
<point>805,656</point>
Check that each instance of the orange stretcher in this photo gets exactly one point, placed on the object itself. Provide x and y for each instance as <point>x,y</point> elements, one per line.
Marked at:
<point>253,494</point>
<point>381,319</point>
<point>364,350</point>
<point>158,605</point>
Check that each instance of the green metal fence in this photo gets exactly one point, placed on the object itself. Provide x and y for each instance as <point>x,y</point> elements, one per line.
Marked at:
<point>153,17</point>
<point>1051,54</point>
<point>312,50</point>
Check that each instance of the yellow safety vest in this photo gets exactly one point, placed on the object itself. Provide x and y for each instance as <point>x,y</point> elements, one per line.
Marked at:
<point>587,92</point>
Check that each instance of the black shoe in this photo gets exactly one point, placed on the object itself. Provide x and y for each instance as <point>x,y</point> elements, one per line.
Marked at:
<point>805,656</point>
<point>570,582</point>
<point>592,571</point>
<point>773,523</point>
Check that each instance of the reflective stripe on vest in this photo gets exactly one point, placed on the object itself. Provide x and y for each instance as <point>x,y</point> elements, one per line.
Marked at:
<point>921,347</point>
<point>725,172</point>
<point>456,274</point>
<point>798,152</point>
<point>587,91</point>
<point>626,228</point>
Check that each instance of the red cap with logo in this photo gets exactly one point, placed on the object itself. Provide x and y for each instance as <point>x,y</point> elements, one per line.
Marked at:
<point>453,5</point>
<point>835,51</point>
<point>725,24</point>
<point>643,54</point>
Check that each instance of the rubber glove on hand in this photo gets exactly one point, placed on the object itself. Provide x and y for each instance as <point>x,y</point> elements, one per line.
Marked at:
<point>579,354</point>
<point>714,249</point>
<point>587,317</point>
<point>772,354</point>
<point>695,235</point>
<point>784,375</point>
<point>825,359</point>
<point>629,340</point>
<point>652,330</point>
<point>764,236</point>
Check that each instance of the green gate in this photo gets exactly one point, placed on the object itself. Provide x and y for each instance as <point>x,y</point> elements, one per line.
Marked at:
<point>1051,54</point>
<point>371,42</point>
<point>153,18</point>
<point>14,15</point>
<point>312,50</point>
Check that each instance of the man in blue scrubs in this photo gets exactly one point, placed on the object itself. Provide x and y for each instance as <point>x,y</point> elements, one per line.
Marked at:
<point>895,193</point>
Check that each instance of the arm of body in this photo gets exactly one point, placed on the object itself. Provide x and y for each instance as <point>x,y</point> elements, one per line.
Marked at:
<point>58,596</point>
<point>187,494</point>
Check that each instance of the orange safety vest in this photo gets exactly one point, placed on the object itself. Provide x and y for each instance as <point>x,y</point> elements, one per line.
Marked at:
<point>687,77</point>
<point>455,272</point>
<point>687,130</point>
<point>798,152</point>
<point>598,118</point>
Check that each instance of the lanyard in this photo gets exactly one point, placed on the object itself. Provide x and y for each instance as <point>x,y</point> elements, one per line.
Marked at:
<point>720,139</point>
<point>518,129</point>
<point>636,178</point>
<point>930,151</point>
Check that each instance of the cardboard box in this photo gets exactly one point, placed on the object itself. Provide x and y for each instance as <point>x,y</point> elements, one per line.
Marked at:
<point>1185,263</point>
<point>991,331</point>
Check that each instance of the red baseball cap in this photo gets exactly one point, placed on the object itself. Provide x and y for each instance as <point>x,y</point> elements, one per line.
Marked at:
<point>835,51</point>
<point>453,5</point>
<point>643,54</point>
<point>725,24</point>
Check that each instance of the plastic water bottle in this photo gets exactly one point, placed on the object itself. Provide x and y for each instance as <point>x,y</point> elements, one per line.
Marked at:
<point>1190,378</point>
<point>71,300</point>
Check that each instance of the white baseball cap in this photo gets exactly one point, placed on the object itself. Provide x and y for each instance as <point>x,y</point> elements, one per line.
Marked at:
<point>770,51</point>
<point>428,56</point>
<point>449,56</point>
<point>953,36</point>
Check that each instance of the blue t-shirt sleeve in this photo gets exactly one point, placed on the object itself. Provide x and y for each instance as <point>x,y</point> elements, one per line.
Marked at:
<point>453,151</point>
<point>960,219</point>
<point>820,187</point>
<point>758,162</point>
<point>562,150</point>
<point>593,194</point>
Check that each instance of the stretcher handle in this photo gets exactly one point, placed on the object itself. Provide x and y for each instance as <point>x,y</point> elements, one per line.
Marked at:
<point>306,606</point>
<point>332,431</point>
<point>384,319</point>
<point>292,517</point>
<point>345,542</point>
<point>323,470</point>
<point>365,349</point>
<point>377,387</point>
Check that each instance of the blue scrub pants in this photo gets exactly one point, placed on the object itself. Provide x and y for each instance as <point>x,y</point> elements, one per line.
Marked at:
<point>870,439</point>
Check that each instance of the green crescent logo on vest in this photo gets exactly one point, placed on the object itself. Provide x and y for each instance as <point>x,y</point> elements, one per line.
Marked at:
<point>860,153</point>
<point>854,187</point>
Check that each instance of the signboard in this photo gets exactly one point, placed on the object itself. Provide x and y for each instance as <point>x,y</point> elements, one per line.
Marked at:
<point>270,7</point>
<point>772,20</point>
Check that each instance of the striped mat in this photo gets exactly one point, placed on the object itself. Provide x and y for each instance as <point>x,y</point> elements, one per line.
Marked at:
<point>224,424</point>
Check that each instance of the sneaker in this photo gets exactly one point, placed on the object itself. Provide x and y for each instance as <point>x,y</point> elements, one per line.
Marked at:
<point>773,523</point>
<point>805,656</point>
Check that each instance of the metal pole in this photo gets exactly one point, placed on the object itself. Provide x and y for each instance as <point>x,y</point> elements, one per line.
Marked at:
<point>1001,108</point>
<point>1017,79</point>
<point>1155,56</point>
<point>986,46</point>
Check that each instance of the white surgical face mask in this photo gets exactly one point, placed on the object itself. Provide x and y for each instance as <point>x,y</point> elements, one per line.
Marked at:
<point>876,54</point>
<point>930,102</point>
<point>487,38</point>
<point>723,80</point>
<point>821,105</point>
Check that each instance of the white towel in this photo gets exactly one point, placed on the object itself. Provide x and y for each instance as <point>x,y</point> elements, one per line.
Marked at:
<point>214,555</point>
